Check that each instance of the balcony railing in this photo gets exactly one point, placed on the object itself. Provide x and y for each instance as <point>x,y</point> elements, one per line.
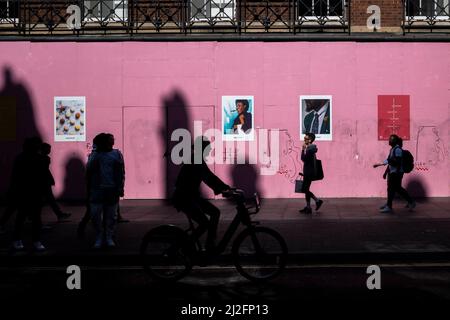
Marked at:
<point>427,15</point>
<point>131,17</point>
<point>145,17</point>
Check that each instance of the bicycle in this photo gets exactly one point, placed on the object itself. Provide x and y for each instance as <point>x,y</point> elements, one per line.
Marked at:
<point>259,253</point>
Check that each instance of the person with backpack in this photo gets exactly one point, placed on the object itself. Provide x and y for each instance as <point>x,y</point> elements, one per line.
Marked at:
<point>398,162</point>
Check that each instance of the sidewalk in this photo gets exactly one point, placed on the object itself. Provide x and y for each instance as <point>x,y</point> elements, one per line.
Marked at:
<point>345,230</point>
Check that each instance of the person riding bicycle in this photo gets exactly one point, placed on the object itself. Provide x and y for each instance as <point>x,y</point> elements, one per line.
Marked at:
<point>187,197</point>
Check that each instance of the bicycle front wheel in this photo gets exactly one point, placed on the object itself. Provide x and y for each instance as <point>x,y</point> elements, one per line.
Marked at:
<point>259,253</point>
<point>165,253</point>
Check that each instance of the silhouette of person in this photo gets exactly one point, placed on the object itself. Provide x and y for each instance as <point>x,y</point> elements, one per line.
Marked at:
<point>394,173</point>
<point>308,156</point>
<point>187,198</point>
<point>50,198</point>
<point>87,215</point>
<point>30,176</point>
<point>244,118</point>
<point>317,121</point>
<point>105,180</point>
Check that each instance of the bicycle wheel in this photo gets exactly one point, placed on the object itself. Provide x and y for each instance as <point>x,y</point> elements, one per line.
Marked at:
<point>165,253</point>
<point>259,253</point>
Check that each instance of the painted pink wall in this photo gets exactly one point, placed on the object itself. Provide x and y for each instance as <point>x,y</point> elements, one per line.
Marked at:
<point>122,79</point>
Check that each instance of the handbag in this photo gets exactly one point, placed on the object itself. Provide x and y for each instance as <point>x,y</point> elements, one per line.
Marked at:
<point>299,185</point>
<point>318,170</point>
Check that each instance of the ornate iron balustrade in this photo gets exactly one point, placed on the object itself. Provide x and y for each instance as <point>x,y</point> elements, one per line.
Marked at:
<point>49,17</point>
<point>427,14</point>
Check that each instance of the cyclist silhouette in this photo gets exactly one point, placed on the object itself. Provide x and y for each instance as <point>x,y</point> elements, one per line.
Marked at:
<point>187,197</point>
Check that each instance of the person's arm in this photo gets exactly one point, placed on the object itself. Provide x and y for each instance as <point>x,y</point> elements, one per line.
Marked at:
<point>213,181</point>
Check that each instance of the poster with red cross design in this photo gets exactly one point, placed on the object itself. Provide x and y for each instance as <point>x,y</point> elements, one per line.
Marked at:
<point>393,116</point>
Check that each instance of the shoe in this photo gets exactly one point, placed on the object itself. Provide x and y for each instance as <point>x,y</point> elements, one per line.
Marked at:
<point>319,204</point>
<point>411,205</point>
<point>98,243</point>
<point>38,246</point>
<point>383,206</point>
<point>110,243</point>
<point>18,245</point>
<point>386,209</point>
<point>305,210</point>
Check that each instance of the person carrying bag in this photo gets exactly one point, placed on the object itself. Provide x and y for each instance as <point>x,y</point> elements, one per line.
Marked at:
<point>312,171</point>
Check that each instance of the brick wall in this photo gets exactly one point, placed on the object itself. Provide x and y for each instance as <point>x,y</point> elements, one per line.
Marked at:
<point>391,15</point>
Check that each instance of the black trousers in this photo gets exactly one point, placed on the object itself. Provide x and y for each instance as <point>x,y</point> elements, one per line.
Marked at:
<point>198,210</point>
<point>305,188</point>
<point>29,209</point>
<point>394,185</point>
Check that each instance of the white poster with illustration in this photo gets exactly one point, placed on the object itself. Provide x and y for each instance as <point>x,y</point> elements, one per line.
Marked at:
<point>238,118</point>
<point>70,118</point>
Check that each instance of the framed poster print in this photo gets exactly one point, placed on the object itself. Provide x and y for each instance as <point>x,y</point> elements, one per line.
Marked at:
<point>70,118</point>
<point>238,118</point>
<point>316,117</point>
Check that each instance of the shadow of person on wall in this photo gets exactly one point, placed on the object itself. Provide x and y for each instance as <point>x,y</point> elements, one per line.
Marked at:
<point>16,124</point>
<point>416,188</point>
<point>176,116</point>
<point>74,180</point>
<point>245,177</point>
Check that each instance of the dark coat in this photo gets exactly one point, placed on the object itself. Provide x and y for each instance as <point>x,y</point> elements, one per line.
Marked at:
<point>187,186</point>
<point>308,158</point>
<point>248,121</point>
<point>325,129</point>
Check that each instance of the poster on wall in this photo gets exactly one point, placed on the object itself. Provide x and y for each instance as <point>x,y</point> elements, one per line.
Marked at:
<point>393,116</point>
<point>238,116</point>
<point>70,118</point>
<point>316,116</point>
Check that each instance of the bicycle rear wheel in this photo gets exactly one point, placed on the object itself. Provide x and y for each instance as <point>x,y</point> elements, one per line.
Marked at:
<point>259,253</point>
<point>165,253</point>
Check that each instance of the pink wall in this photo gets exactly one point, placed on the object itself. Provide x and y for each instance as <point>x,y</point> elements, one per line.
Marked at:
<point>127,84</point>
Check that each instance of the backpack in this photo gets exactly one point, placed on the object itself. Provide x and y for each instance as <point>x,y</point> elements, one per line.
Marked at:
<point>407,161</point>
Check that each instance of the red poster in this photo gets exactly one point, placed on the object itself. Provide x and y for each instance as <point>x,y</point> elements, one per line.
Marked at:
<point>393,116</point>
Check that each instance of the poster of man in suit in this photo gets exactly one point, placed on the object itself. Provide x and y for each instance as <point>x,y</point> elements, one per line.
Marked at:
<point>316,117</point>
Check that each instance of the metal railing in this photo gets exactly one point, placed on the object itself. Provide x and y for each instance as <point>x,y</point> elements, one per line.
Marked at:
<point>49,17</point>
<point>426,15</point>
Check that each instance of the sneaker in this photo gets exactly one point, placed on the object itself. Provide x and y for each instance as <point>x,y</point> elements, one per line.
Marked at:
<point>319,204</point>
<point>386,209</point>
<point>305,210</point>
<point>110,243</point>
<point>38,246</point>
<point>18,245</point>
<point>383,206</point>
<point>411,205</point>
<point>98,243</point>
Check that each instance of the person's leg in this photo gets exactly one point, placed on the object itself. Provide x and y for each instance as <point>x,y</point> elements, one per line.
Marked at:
<point>36,221</point>
<point>402,191</point>
<point>96,216</point>
<point>391,188</point>
<point>214,216</point>
<point>193,210</point>
<point>110,212</point>
<point>18,227</point>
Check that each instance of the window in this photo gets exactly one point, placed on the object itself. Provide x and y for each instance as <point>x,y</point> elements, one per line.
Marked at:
<point>9,10</point>
<point>427,8</point>
<point>110,10</point>
<point>212,9</point>
<point>320,8</point>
